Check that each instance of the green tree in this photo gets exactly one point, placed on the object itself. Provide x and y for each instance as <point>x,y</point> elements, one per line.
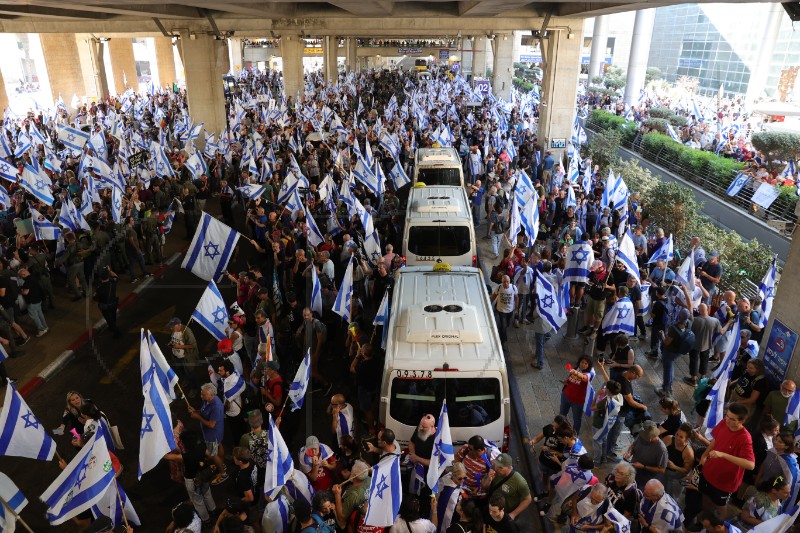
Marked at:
<point>603,149</point>
<point>652,74</point>
<point>637,179</point>
<point>777,145</point>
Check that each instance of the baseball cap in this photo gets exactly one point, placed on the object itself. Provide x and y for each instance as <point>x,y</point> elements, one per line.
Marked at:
<point>713,254</point>
<point>174,321</point>
<point>683,315</point>
<point>273,365</point>
<point>312,443</point>
<point>503,460</point>
<point>649,430</point>
<point>596,265</point>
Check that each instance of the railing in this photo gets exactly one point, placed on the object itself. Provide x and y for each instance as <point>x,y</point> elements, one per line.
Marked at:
<point>780,216</point>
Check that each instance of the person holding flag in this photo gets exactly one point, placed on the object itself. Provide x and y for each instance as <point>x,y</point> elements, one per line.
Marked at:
<point>503,479</point>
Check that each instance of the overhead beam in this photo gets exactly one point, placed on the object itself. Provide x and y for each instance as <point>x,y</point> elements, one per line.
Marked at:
<point>594,9</point>
<point>49,13</point>
<point>486,8</point>
<point>374,8</point>
<point>152,10</point>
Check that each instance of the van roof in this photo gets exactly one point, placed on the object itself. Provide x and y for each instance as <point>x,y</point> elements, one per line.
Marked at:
<point>437,156</point>
<point>438,202</point>
<point>442,317</point>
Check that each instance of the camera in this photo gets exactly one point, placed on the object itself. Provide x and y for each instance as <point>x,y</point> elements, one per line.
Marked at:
<point>601,359</point>
<point>366,442</point>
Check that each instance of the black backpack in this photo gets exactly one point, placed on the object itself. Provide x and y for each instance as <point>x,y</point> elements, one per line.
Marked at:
<point>685,342</point>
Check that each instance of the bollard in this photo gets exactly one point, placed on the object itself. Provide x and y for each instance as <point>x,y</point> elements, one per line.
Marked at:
<point>572,325</point>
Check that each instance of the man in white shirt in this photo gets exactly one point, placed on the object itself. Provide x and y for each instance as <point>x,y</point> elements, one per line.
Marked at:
<point>342,423</point>
<point>505,302</point>
<point>232,386</point>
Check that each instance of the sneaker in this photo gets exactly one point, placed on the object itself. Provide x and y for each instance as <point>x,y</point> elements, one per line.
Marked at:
<point>220,478</point>
<point>42,333</point>
<point>24,341</point>
<point>541,497</point>
<point>135,280</point>
<point>692,382</point>
<point>545,508</point>
<point>516,323</point>
<point>583,330</point>
<point>652,353</point>
<point>661,392</point>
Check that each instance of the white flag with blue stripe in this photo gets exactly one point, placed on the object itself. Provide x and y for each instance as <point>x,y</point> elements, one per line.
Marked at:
<point>211,312</point>
<point>14,499</point>
<point>626,254</point>
<point>731,350</point>
<point>716,409</point>
<point>109,506</point>
<point>252,191</point>
<point>298,388</point>
<point>211,249</point>
<point>8,171</point>
<point>342,304</point>
<point>382,318</point>
<point>23,144</point>
<point>364,174</point>
<point>673,133</point>
<point>443,453</point>
<point>153,362</point>
<point>73,138</point>
<point>588,401</point>
<point>618,520</point>
<point>316,293</point>
<point>664,253</point>
<point>385,493</point>
<point>288,187</point>
<point>276,517</point>
<point>155,436</point>
<point>529,218</point>
<point>196,164</point>
<point>781,523</point>
<point>82,483</point>
<point>580,257</point>
<point>279,467</point>
<point>38,184</point>
<point>315,236</point>
<point>793,410</point>
<point>766,291</point>
<point>549,303</point>
<point>43,229</point>
<point>611,413</point>
<point>620,318</point>
<point>523,190</point>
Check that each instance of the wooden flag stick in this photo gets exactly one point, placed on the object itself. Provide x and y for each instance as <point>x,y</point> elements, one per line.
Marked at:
<point>121,504</point>
<point>17,516</point>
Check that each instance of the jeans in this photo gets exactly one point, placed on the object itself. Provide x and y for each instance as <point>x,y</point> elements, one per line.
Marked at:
<point>668,360</point>
<point>541,338</point>
<point>136,258</point>
<point>599,449</point>
<point>640,325</point>
<point>476,215</point>
<point>577,412</point>
<point>202,501</point>
<point>503,322</point>
<point>36,314</point>
<point>655,338</point>
<point>698,362</point>
<point>613,435</point>
<point>524,306</point>
<point>496,238</point>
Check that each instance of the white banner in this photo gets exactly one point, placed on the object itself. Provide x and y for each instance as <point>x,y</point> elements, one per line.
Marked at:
<point>765,195</point>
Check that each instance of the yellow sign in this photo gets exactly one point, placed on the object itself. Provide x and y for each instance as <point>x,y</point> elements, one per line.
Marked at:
<point>312,51</point>
<point>442,267</point>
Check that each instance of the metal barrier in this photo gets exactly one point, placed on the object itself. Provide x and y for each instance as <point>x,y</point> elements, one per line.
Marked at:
<point>781,214</point>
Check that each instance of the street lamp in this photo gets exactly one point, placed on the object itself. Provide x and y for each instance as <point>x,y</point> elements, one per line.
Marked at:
<point>229,88</point>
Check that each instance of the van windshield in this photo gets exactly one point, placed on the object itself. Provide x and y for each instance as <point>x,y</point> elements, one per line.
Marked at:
<point>440,176</point>
<point>471,402</point>
<point>439,240</point>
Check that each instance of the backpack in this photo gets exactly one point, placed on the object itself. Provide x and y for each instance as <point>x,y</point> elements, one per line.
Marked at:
<point>502,200</point>
<point>501,226</point>
<point>686,342</point>
<point>318,527</point>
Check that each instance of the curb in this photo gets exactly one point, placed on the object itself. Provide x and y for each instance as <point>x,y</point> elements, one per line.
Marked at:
<point>67,355</point>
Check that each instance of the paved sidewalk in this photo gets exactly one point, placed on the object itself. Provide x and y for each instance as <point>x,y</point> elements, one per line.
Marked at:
<point>541,389</point>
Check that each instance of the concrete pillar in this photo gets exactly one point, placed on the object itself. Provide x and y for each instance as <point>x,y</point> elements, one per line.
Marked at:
<point>97,50</point>
<point>3,93</point>
<point>208,60</point>
<point>599,46</point>
<point>517,47</point>
<point>292,53</point>
<point>351,44</point>
<point>503,65</point>
<point>758,77</point>
<point>235,54</point>
<point>785,310</point>
<point>123,65</point>
<point>61,58</point>
<point>640,50</point>
<point>165,61</point>
<point>559,88</point>
<point>479,56</point>
<point>330,55</point>
<point>95,77</point>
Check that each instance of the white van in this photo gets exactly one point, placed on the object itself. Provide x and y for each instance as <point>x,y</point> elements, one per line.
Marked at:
<point>438,166</point>
<point>439,227</point>
<point>443,343</point>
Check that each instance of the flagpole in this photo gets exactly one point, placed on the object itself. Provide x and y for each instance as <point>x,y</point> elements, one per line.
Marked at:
<point>121,504</point>
<point>17,516</point>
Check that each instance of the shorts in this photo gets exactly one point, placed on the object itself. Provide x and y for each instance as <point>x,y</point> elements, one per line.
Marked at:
<point>365,399</point>
<point>578,284</point>
<point>595,308</point>
<point>212,447</point>
<point>717,496</point>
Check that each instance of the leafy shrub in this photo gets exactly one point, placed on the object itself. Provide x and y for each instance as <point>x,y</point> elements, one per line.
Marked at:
<point>777,145</point>
<point>657,124</point>
<point>661,112</point>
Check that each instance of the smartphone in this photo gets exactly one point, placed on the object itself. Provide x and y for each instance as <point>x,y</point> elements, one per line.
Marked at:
<point>58,431</point>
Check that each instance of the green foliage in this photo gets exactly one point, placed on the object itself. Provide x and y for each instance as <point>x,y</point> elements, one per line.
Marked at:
<point>652,74</point>
<point>603,149</point>
<point>604,120</point>
<point>657,124</point>
<point>597,80</point>
<point>523,85</point>
<point>661,112</point>
<point>638,179</point>
<point>678,121</point>
<point>719,169</point>
<point>777,145</point>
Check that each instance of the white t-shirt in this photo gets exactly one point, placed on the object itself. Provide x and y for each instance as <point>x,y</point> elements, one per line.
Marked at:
<point>504,303</point>
<point>177,338</point>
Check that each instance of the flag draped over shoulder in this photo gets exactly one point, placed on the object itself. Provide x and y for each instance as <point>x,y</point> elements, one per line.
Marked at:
<point>620,318</point>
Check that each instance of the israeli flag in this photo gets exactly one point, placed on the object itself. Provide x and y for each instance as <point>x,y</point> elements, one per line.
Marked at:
<point>716,410</point>
<point>98,143</point>
<point>793,409</point>
<point>620,318</point>
<point>277,516</point>
<point>116,205</point>
<point>23,144</point>
<point>397,175</point>
<point>781,523</point>
<point>385,493</point>
<point>382,318</point>
<point>618,520</point>
<point>161,164</point>
<point>82,483</point>
<point>523,190</point>
<point>38,184</point>
<point>342,304</point>
<point>14,499</point>
<point>252,191</point>
<point>72,138</point>
<point>211,312</point>
<point>288,188</point>
<point>664,253</point>
<point>152,363</point>
<point>196,164</point>
<point>590,393</point>
<point>766,291</point>
<point>685,273</point>
<point>43,229</point>
<point>673,133</point>
<point>443,453</point>
<point>109,505</point>
<point>64,217</point>
<point>612,411</point>
<point>8,171</point>
<point>298,388</point>
<point>549,303</point>
<point>294,204</point>
<point>388,143</point>
<point>364,174</point>
<point>570,199</point>
<point>626,253</point>
<point>580,257</point>
<point>211,249</point>
<point>279,467</point>
<point>446,505</point>
<point>645,302</point>
<point>5,146</point>
<point>315,236</point>
<point>574,170</point>
<point>155,437</point>
<point>316,293</point>
<point>529,218</point>
<point>738,184</point>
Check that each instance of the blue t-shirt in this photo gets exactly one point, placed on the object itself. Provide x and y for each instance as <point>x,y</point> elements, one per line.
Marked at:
<point>477,199</point>
<point>213,410</point>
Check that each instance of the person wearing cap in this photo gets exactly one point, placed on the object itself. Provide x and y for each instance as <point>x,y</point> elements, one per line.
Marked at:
<point>677,342</point>
<point>503,479</point>
<point>184,352</point>
<point>318,463</point>
<point>225,349</point>
<point>257,442</point>
<point>648,454</point>
<point>347,501</point>
<point>710,274</point>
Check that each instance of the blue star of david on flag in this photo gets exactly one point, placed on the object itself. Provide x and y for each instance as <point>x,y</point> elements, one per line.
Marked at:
<point>622,313</point>
<point>147,423</point>
<point>220,315</point>
<point>382,486</point>
<point>580,255</point>
<point>211,312</point>
<point>548,301</point>
<point>211,250</point>
<point>70,137</point>
<point>30,420</point>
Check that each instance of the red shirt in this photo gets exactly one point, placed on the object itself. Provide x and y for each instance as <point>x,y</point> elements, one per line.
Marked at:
<point>575,389</point>
<point>721,473</point>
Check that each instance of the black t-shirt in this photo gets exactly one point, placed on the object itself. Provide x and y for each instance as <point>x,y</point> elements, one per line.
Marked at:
<point>506,525</point>
<point>12,290</point>
<point>672,423</point>
<point>368,374</point>
<point>35,294</point>
<point>244,480</point>
<point>635,295</point>
<point>624,499</point>
<point>423,448</point>
<point>746,384</point>
<point>192,462</point>
<point>552,442</point>
<point>626,388</point>
<point>712,269</point>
